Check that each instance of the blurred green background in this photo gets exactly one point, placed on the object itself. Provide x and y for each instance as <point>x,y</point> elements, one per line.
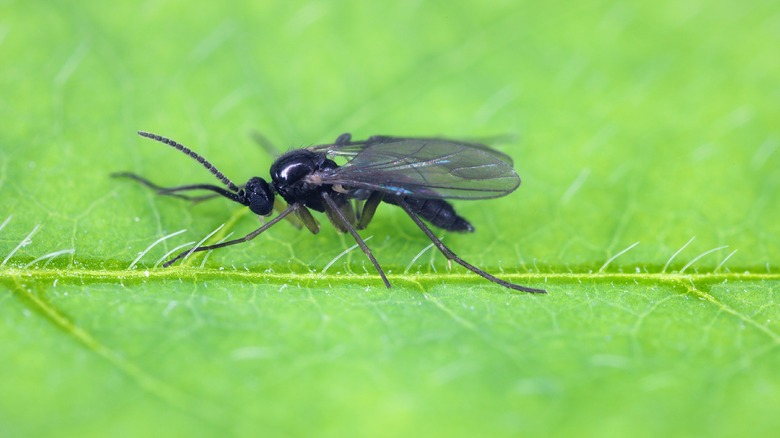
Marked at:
<point>649,122</point>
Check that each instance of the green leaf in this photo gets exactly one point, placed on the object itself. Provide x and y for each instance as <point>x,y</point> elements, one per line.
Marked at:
<point>646,137</point>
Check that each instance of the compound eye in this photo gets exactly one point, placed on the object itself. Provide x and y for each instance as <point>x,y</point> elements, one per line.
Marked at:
<point>260,197</point>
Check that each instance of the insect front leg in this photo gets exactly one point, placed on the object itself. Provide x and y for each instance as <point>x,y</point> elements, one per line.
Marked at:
<point>280,206</point>
<point>246,238</point>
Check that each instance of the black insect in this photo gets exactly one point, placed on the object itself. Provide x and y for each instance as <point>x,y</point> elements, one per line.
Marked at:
<point>416,174</point>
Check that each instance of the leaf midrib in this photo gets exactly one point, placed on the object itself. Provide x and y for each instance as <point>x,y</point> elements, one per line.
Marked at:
<point>189,273</point>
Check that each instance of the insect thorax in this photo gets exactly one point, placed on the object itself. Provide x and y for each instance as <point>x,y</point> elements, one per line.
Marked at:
<point>294,177</point>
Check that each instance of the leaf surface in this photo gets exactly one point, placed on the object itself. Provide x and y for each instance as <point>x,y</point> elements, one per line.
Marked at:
<point>646,138</point>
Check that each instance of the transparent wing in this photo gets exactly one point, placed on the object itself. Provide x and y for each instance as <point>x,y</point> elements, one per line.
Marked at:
<point>422,168</point>
<point>352,148</point>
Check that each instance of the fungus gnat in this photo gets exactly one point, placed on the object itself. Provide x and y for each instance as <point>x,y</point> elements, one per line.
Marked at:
<point>416,174</point>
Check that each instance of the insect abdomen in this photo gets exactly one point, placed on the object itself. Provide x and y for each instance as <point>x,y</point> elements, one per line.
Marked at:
<point>436,211</point>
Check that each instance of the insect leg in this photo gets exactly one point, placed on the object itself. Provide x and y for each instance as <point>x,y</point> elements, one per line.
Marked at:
<point>337,214</point>
<point>343,139</point>
<point>452,256</point>
<point>246,238</point>
<point>305,216</point>
<point>357,205</point>
<point>347,214</point>
<point>266,144</point>
<point>369,209</point>
<point>280,206</point>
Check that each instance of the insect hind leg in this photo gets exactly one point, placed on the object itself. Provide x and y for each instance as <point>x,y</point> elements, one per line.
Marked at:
<point>453,257</point>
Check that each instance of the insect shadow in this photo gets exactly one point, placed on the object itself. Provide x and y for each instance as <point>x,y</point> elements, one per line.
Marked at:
<point>414,173</point>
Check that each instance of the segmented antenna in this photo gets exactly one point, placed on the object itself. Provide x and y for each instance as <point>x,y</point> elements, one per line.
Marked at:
<point>225,180</point>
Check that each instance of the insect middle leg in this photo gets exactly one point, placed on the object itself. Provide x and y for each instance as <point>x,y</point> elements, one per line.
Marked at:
<point>368,210</point>
<point>337,214</point>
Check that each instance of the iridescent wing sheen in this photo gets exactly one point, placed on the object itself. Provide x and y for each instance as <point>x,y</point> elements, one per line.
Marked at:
<point>430,168</point>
